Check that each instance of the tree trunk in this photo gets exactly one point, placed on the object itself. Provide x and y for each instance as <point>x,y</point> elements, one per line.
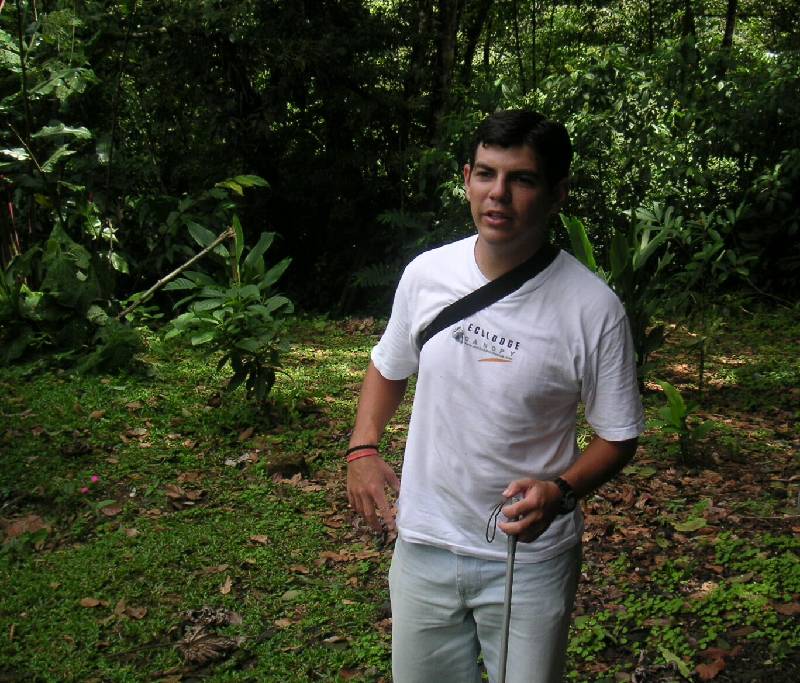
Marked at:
<point>533,47</point>
<point>417,69</point>
<point>474,30</point>
<point>523,86</point>
<point>446,32</point>
<point>727,38</point>
<point>730,24</point>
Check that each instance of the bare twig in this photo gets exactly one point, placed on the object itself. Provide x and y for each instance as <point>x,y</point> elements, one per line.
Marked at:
<point>167,278</point>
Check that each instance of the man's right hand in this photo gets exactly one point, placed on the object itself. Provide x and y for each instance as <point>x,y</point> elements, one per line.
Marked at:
<point>367,479</point>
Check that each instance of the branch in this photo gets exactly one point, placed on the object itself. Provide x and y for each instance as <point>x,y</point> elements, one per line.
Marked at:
<point>229,233</point>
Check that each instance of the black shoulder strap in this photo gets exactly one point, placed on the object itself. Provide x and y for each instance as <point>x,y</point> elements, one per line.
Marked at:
<point>491,292</point>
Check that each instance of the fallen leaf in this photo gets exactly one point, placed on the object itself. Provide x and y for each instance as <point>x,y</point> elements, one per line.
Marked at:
<point>260,539</point>
<point>245,434</point>
<point>173,491</point>
<point>334,639</point>
<point>290,595</point>
<point>212,616</point>
<point>134,406</point>
<point>199,646</point>
<point>226,587</point>
<point>24,525</point>
<point>218,569</point>
<point>132,533</point>
<point>136,612</point>
<point>282,623</point>
<point>190,477</point>
<point>711,670</point>
<point>97,414</point>
<point>111,510</point>
<point>89,602</point>
<point>299,569</point>
<point>789,609</point>
<point>692,524</point>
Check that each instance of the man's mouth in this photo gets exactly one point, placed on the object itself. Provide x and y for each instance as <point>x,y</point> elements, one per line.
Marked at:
<point>496,217</point>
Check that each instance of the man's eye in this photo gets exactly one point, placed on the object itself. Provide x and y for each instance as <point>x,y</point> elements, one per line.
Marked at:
<point>526,180</point>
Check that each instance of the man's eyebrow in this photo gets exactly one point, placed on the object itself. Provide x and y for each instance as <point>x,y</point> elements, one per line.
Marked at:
<point>519,172</point>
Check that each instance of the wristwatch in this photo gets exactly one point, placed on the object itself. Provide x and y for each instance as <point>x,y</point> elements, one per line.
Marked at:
<point>568,499</point>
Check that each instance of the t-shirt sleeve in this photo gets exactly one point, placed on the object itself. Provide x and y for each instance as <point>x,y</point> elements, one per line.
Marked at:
<point>610,391</point>
<point>396,355</point>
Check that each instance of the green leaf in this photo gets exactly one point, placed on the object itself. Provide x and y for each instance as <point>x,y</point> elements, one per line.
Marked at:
<point>275,302</point>
<point>180,283</point>
<point>250,181</point>
<point>248,344</point>
<point>620,255</point>
<point>674,398</point>
<point>238,237</point>
<point>231,185</point>
<point>274,273</point>
<point>253,262</point>
<point>203,337</point>
<point>202,235</point>
<point>641,470</point>
<point>118,263</point>
<point>249,292</point>
<point>207,305</point>
<point>672,658</point>
<point>81,133</point>
<point>18,153</point>
<point>96,315</point>
<point>56,156</point>
<point>691,524</point>
<point>581,246</point>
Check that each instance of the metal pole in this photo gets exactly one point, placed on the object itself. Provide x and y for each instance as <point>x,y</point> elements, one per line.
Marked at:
<point>512,551</point>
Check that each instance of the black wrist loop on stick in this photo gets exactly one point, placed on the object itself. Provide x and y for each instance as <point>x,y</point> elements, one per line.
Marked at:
<point>370,446</point>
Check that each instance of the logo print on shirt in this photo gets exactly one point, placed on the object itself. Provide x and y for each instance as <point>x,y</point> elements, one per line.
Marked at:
<point>501,348</point>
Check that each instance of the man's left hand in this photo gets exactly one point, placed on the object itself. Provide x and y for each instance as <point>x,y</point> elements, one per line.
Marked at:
<point>534,513</point>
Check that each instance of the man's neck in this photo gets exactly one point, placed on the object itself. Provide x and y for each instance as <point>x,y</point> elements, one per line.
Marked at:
<point>494,261</point>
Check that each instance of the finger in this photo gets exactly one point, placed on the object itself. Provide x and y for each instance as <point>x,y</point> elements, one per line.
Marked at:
<point>392,479</point>
<point>375,502</point>
<point>388,517</point>
<point>518,486</point>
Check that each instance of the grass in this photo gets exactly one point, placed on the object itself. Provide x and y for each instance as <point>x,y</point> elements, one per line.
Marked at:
<point>203,502</point>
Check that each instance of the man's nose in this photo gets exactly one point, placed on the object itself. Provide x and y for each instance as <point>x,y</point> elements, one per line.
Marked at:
<point>500,190</point>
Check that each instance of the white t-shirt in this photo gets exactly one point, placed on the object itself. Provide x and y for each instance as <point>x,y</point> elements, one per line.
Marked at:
<point>497,394</point>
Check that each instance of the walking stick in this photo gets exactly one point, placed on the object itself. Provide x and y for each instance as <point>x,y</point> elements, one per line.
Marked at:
<point>512,551</point>
<point>491,529</point>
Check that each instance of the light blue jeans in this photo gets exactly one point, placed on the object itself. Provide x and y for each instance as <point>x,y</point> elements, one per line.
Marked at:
<point>447,608</point>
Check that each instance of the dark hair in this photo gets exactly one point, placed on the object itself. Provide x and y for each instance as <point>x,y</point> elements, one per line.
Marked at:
<point>517,127</point>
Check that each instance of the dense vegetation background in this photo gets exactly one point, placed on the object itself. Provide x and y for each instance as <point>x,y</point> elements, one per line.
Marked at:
<point>120,117</point>
<point>299,153</point>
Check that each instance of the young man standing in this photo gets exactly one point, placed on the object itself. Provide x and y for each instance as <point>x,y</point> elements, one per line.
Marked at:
<point>494,418</point>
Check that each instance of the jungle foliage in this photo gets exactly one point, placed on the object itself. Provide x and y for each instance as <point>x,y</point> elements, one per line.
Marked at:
<point>117,117</point>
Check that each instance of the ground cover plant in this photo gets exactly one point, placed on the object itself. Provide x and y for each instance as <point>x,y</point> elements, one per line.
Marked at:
<point>156,528</point>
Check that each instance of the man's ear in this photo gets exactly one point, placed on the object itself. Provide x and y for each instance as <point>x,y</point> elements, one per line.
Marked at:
<point>467,176</point>
<point>560,194</point>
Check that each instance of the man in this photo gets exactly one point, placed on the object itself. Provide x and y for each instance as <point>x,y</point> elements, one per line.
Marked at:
<point>494,417</point>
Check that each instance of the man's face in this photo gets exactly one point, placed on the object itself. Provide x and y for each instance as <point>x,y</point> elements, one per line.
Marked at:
<point>510,198</point>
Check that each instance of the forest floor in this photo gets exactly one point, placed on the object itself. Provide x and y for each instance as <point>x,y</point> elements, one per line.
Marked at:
<point>156,529</point>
